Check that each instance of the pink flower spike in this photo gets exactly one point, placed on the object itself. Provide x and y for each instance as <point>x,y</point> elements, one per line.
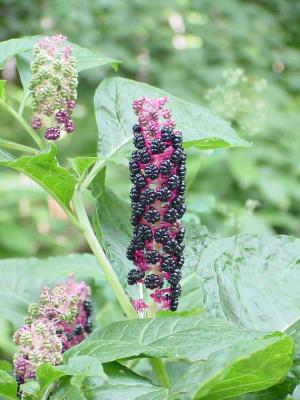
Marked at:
<point>139,305</point>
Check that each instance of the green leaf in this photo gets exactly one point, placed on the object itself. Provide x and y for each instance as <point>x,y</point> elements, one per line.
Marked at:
<point>31,388</point>
<point>162,337</point>
<point>5,366</point>
<point>22,279</point>
<point>83,366</point>
<point>122,384</point>
<point>8,386</point>
<point>2,90</point>
<point>252,281</point>
<point>246,367</point>
<point>45,170</point>
<point>22,49</point>
<point>113,108</point>
<point>82,164</point>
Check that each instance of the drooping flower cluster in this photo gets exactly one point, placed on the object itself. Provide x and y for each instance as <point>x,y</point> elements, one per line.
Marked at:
<point>53,87</point>
<point>60,320</point>
<point>157,171</point>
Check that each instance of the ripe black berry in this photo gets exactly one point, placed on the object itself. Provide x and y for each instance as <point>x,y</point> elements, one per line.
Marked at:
<point>151,171</point>
<point>88,327</point>
<point>180,261</point>
<point>139,141</point>
<point>136,128</point>
<point>138,208</point>
<point>133,167</point>
<point>166,167</point>
<point>174,304</point>
<point>134,193</point>
<point>69,337</point>
<point>143,156</point>
<point>181,171</point>
<point>166,134</point>
<point>137,242</point>
<point>135,275</point>
<point>173,182</point>
<point>135,155</point>
<point>171,246</point>
<point>178,202</point>
<point>88,306</point>
<point>180,235</point>
<point>181,210</point>
<point>130,252</point>
<point>147,196</point>
<point>175,291</point>
<point>152,281</point>
<point>161,235</point>
<point>144,232</point>
<point>181,188</point>
<point>152,256</point>
<point>152,216</point>
<point>134,220</point>
<point>168,264</point>
<point>177,141</point>
<point>78,330</point>
<point>178,156</point>
<point>140,181</point>
<point>171,215</point>
<point>175,277</point>
<point>163,194</point>
<point>157,146</point>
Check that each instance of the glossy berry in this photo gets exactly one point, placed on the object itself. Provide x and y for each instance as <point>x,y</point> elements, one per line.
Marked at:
<point>140,181</point>
<point>138,208</point>
<point>175,291</point>
<point>173,182</point>
<point>152,216</point>
<point>171,215</point>
<point>134,193</point>
<point>181,189</point>
<point>181,210</point>
<point>88,306</point>
<point>178,202</point>
<point>174,304</point>
<point>143,156</point>
<point>62,116</point>
<point>88,327</point>
<point>144,232</point>
<point>161,235</point>
<point>130,252</point>
<point>177,141</point>
<point>69,126</point>
<point>171,246</point>
<point>135,275</point>
<point>139,141</point>
<point>180,235</point>
<point>78,330</point>
<point>180,261</point>
<point>152,281</point>
<point>147,196</point>
<point>134,167</point>
<point>163,194</point>
<point>151,171</point>
<point>136,128</point>
<point>166,134</point>
<point>52,133</point>
<point>152,256</point>
<point>166,167</point>
<point>175,277</point>
<point>157,146</point>
<point>181,171</point>
<point>178,156</point>
<point>168,264</point>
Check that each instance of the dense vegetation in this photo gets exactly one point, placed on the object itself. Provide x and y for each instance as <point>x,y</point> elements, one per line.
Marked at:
<point>235,334</point>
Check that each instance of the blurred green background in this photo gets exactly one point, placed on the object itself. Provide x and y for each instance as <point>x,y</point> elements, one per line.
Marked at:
<point>238,58</point>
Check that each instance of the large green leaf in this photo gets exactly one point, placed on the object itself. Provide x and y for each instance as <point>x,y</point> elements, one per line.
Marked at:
<point>252,281</point>
<point>22,50</point>
<point>189,338</point>
<point>8,386</point>
<point>113,99</point>
<point>248,366</point>
<point>45,170</point>
<point>22,279</point>
<point>121,384</point>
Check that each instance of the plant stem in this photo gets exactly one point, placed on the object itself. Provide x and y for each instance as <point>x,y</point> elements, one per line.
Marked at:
<point>160,371</point>
<point>23,103</point>
<point>101,257</point>
<point>7,144</point>
<point>93,172</point>
<point>22,122</point>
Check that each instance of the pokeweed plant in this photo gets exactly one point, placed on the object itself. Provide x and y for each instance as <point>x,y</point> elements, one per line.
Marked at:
<point>215,359</point>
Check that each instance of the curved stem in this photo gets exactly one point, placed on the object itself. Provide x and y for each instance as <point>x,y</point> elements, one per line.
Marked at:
<point>7,144</point>
<point>101,257</point>
<point>22,122</point>
<point>160,371</point>
<point>23,103</point>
